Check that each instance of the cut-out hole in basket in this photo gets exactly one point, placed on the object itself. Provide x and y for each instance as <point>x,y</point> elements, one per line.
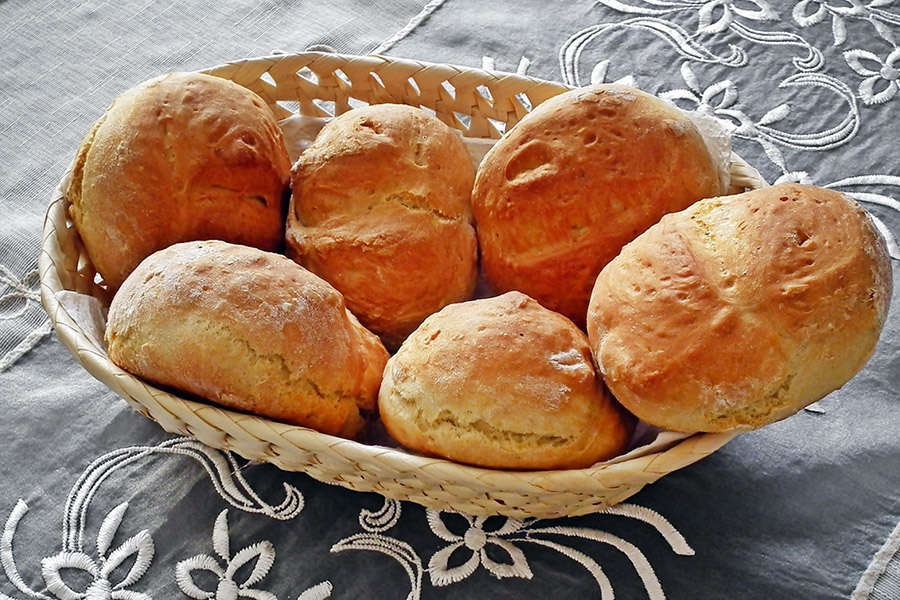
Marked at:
<point>500,126</point>
<point>290,106</point>
<point>485,92</point>
<point>343,77</point>
<point>449,89</point>
<point>413,86</point>
<point>356,102</point>
<point>466,120</point>
<point>267,78</point>
<point>307,74</point>
<point>524,101</point>
<point>325,105</point>
<point>378,79</point>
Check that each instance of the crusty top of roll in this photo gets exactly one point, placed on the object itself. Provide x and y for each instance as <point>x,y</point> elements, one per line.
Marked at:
<point>741,310</point>
<point>250,330</point>
<point>583,174</point>
<point>181,157</point>
<point>381,209</point>
<point>501,382</point>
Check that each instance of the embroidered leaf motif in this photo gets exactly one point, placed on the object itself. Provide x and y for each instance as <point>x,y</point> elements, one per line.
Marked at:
<point>436,523</point>
<point>318,592</point>
<point>517,568</point>
<point>776,114</point>
<point>50,571</point>
<point>763,11</point>
<point>184,575</point>
<point>109,527</point>
<point>220,536</point>
<point>839,30</point>
<point>598,73</point>
<point>707,12</point>
<point>804,18</point>
<point>876,90</point>
<point>443,574</point>
<point>140,544</point>
<point>264,554</point>
<point>885,31</point>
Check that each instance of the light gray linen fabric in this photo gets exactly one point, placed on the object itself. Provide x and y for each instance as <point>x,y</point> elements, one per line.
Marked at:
<point>94,497</point>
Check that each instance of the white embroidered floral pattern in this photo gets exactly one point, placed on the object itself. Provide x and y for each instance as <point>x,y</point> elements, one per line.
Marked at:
<point>720,100</point>
<point>375,524</point>
<point>225,568</point>
<point>474,540</point>
<point>104,583</point>
<point>104,580</point>
<point>807,13</point>
<point>882,77</point>
<point>103,586</point>
<point>19,297</point>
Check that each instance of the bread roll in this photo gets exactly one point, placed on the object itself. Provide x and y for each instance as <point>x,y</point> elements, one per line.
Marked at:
<point>503,383</point>
<point>181,157</point>
<point>740,311</point>
<point>249,330</point>
<point>381,209</point>
<point>576,179</point>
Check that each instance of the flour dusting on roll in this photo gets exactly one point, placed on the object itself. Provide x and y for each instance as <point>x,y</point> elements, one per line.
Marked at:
<point>501,382</point>
<point>580,176</point>
<point>741,310</point>
<point>250,330</point>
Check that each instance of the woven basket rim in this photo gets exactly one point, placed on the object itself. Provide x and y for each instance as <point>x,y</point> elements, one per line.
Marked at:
<point>222,428</point>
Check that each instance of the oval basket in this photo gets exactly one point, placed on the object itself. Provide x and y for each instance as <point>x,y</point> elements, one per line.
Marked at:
<point>480,104</point>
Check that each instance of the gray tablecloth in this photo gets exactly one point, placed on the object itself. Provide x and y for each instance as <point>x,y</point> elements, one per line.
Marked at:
<point>98,502</point>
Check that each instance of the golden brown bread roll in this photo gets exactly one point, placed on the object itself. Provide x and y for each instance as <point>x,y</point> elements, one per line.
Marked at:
<point>504,383</point>
<point>181,157</point>
<point>381,210</point>
<point>740,311</point>
<point>576,179</point>
<point>250,330</point>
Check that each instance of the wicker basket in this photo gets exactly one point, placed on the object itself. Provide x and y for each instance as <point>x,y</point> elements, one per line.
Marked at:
<point>480,104</point>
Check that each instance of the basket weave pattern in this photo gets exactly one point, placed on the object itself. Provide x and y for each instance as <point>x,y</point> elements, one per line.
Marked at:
<point>478,103</point>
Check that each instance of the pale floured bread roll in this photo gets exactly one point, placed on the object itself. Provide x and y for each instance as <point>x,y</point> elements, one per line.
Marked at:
<point>576,179</point>
<point>181,157</point>
<point>381,209</point>
<point>249,330</point>
<point>503,383</point>
<point>740,311</point>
